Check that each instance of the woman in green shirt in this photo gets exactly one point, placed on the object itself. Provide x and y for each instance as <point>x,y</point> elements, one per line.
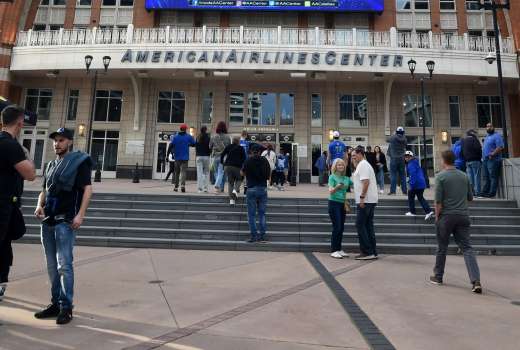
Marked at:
<point>338,186</point>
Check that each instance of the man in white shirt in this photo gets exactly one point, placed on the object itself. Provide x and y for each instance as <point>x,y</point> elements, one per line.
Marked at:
<point>365,190</point>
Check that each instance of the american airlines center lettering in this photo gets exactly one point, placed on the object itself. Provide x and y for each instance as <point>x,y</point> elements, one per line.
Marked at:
<point>257,57</point>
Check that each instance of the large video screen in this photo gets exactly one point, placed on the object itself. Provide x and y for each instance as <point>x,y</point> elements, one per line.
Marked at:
<point>269,5</point>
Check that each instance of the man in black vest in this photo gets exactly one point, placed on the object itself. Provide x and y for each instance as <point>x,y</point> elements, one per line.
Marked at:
<point>14,168</point>
<point>62,205</point>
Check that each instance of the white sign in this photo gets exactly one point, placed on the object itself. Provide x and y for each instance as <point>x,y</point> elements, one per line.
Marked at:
<point>135,148</point>
<point>302,151</point>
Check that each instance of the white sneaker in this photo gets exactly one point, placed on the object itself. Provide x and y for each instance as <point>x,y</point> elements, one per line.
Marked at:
<point>2,291</point>
<point>234,194</point>
<point>231,202</point>
<point>336,255</point>
<point>282,189</point>
<point>429,216</point>
<point>409,214</point>
<point>343,254</point>
<point>199,191</point>
<point>381,191</point>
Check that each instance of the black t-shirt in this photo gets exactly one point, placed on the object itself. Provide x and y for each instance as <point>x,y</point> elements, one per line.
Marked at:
<point>257,170</point>
<point>69,202</point>
<point>11,153</point>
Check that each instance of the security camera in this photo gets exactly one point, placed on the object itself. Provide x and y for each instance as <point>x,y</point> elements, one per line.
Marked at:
<point>491,57</point>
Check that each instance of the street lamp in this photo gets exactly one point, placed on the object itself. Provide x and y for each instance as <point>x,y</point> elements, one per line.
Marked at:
<point>430,65</point>
<point>493,6</point>
<point>88,62</point>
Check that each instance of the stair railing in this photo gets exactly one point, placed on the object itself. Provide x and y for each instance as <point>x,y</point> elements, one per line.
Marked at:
<point>509,187</point>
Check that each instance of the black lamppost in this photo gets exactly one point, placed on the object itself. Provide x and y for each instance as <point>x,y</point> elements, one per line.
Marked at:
<point>88,62</point>
<point>493,6</point>
<point>422,118</point>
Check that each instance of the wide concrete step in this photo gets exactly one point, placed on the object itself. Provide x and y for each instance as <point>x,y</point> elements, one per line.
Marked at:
<point>382,208</point>
<point>282,236</point>
<point>383,248</point>
<point>223,199</point>
<point>307,226</point>
<point>164,216</point>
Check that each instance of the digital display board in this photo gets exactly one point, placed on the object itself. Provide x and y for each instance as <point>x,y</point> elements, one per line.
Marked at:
<point>269,5</point>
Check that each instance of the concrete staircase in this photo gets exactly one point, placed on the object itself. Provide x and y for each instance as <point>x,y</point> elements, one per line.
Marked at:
<point>208,222</point>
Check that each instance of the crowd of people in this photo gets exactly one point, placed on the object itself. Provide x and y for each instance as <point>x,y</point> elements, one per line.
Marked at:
<point>66,192</point>
<point>219,161</point>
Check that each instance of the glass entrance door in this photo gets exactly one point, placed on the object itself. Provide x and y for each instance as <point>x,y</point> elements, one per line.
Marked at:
<point>34,141</point>
<point>316,141</point>
<point>161,164</point>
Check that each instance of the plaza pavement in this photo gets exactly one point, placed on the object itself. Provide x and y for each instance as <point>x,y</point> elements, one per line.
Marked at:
<point>190,300</point>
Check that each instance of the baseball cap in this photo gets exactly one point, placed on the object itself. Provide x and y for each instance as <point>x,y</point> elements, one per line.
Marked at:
<point>400,129</point>
<point>67,133</point>
<point>408,153</point>
<point>184,127</point>
<point>335,134</point>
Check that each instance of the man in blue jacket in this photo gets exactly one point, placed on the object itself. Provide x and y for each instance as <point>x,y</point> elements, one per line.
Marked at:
<point>180,146</point>
<point>460,163</point>
<point>321,165</point>
<point>417,184</point>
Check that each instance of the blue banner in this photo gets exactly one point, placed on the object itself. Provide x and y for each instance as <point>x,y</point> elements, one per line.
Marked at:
<point>269,5</point>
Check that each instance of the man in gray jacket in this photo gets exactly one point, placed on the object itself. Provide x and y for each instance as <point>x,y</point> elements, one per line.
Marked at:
<point>396,149</point>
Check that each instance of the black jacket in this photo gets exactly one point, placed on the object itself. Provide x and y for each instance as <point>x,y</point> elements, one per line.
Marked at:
<point>382,160</point>
<point>371,159</point>
<point>202,146</point>
<point>235,156</point>
<point>471,149</point>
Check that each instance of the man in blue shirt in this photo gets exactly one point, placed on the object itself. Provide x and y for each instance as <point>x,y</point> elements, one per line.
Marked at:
<point>180,145</point>
<point>337,149</point>
<point>491,161</point>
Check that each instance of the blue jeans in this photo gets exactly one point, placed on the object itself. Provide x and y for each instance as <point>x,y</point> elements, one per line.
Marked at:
<point>380,178</point>
<point>58,242</point>
<point>220,178</point>
<point>365,229</point>
<point>256,200</point>
<point>491,171</point>
<point>397,167</point>
<point>473,171</point>
<point>337,217</point>
<point>420,197</point>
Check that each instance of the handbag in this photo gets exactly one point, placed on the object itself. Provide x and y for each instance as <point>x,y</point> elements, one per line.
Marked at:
<point>348,208</point>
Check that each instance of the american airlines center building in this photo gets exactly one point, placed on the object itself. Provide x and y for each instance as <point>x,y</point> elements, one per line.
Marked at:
<point>288,72</point>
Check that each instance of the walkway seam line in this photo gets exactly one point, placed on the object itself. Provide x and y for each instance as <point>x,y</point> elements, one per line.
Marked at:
<point>161,288</point>
<point>235,312</point>
<point>373,335</point>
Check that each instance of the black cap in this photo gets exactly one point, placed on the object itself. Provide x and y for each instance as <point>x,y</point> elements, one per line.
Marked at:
<point>67,133</point>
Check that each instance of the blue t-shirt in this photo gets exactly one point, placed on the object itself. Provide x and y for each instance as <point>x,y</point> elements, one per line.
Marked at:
<point>491,143</point>
<point>337,150</point>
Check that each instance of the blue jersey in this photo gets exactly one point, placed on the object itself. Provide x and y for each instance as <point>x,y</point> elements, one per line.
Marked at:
<point>337,150</point>
<point>245,145</point>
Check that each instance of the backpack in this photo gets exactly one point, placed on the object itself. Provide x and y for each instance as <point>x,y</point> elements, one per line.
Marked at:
<point>280,164</point>
<point>218,144</point>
